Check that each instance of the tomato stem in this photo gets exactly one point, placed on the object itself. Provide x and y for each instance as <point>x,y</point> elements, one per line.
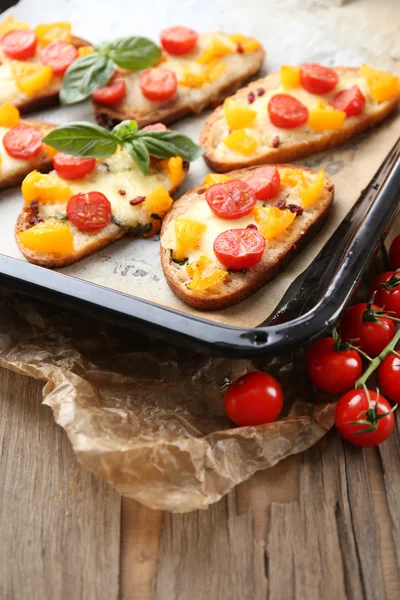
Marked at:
<point>375,363</point>
<point>342,345</point>
<point>372,416</point>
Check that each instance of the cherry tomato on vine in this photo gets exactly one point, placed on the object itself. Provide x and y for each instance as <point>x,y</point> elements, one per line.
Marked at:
<point>254,399</point>
<point>387,286</point>
<point>394,254</point>
<point>389,377</point>
<point>367,327</point>
<point>355,413</point>
<point>331,368</point>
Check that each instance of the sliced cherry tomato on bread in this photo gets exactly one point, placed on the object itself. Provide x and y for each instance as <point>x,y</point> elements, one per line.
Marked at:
<point>350,101</point>
<point>19,44</point>
<point>113,92</point>
<point>155,127</point>
<point>71,167</point>
<point>239,248</point>
<point>287,112</point>
<point>89,212</point>
<point>232,199</point>
<point>158,84</point>
<point>178,40</point>
<point>317,79</point>
<point>265,181</point>
<point>59,56</point>
<point>23,141</point>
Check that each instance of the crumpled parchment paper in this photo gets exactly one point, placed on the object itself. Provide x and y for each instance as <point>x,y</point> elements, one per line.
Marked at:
<point>148,417</point>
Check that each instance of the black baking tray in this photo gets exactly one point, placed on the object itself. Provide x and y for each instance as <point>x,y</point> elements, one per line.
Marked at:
<point>311,304</point>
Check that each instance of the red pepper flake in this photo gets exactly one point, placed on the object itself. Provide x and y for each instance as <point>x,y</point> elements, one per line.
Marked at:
<point>276,142</point>
<point>251,226</point>
<point>251,97</point>
<point>137,200</point>
<point>122,192</point>
<point>239,48</point>
<point>281,204</point>
<point>295,208</point>
<point>260,92</point>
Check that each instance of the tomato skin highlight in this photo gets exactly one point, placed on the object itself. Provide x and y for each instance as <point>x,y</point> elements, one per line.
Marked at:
<point>239,248</point>
<point>113,92</point>
<point>286,112</point>
<point>232,199</point>
<point>23,141</point>
<point>178,40</point>
<point>330,370</point>
<point>89,212</point>
<point>370,337</point>
<point>318,79</point>
<point>254,399</point>
<point>71,167</point>
<point>265,181</point>
<point>19,44</point>
<point>59,56</point>
<point>394,253</point>
<point>389,377</point>
<point>350,101</point>
<point>158,84</point>
<point>349,408</point>
<point>387,299</point>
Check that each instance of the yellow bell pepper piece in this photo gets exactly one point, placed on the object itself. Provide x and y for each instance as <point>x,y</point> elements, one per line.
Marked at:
<point>10,24</point>
<point>51,237</point>
<point>293,177</point>
<point>238,115</point>
<point>210,73</point>
<point>85,50</point>
<point>31,78</point>
<point>383,86</point>
<point>239,141</point>
<point>173,167</point>
<point>47,189</point>
<point>204,273</point>
<point>157,203</point>
<point>273,221</point>
<point>322,118</point>
<point>9,115</point>
<point>53,32</point>
<point>290,76</point>
<point>188,235</point>
<point>50,151</point>
<point>247,43</point>
<point>214,70</point>
<point>213,178</point>
<point>217,48</point>
<point>313,192</point>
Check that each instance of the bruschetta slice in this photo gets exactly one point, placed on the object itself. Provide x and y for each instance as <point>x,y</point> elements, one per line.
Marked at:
<point>33,62</point>
<point>297,112</point>
<point>225,239</point>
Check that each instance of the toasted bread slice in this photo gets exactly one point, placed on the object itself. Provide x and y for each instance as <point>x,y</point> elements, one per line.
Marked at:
<point>295,143</point>
<point>12,170</point>
<point>239,67</point>
<point>279,251</point>
<point>109,178</point>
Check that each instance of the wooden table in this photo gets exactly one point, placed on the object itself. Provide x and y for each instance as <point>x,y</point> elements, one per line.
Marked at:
<point>319,526</point>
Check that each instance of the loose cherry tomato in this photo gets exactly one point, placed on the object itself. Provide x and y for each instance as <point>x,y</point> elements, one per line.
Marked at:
<point>254,399</point>
<point>23,141</point>
<point>367,327</point>
<point>265,181</point>
<point>158,84</point>
<point>387,286</point>
<point>19,44</point>
<point>354,406</point>
<point>178,40</point>
<point>333,370</point>
<point>232,199</point>
<point>317,79</point>
<point>389,377</point>
<point>58,55</point>
<point>394,253</point>
<point>239,248</point>
<point>287,112</point>
<point>155,127</point>
<point>89,211</point>
<point>350,101</point>
<point>113,92</point>
<point>71,167</point>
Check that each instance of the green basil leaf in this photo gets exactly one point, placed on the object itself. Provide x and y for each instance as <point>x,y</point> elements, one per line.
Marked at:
<point>85,75</point>
<point>123,131</point>
<point>82,139</point>
<point>163,144</point>
<point>138,152</point>
<point>133,52</point>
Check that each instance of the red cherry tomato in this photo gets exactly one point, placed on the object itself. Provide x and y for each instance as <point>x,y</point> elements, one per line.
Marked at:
<point>155,127</point>
<point>287,112</point>
<point>239,248</point>
<point>158,84</point>
<point>178,40</point>
<point>317,79</point>
<point>89,211</point>
<point>265,181</point>
<point>394,253</point>
<point>354,406</point>
<point>388,297</point>
<point>58,55</point>
<point>370,336</point>
<point>19,44</point>
<point>113,92</point>
<point>350,101</point>
<point>71,167</point>
<point>389,377</point>
<point>23,141</point>
<point>232,199</point>
<point>331,370</point>
<point>254,399</point>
